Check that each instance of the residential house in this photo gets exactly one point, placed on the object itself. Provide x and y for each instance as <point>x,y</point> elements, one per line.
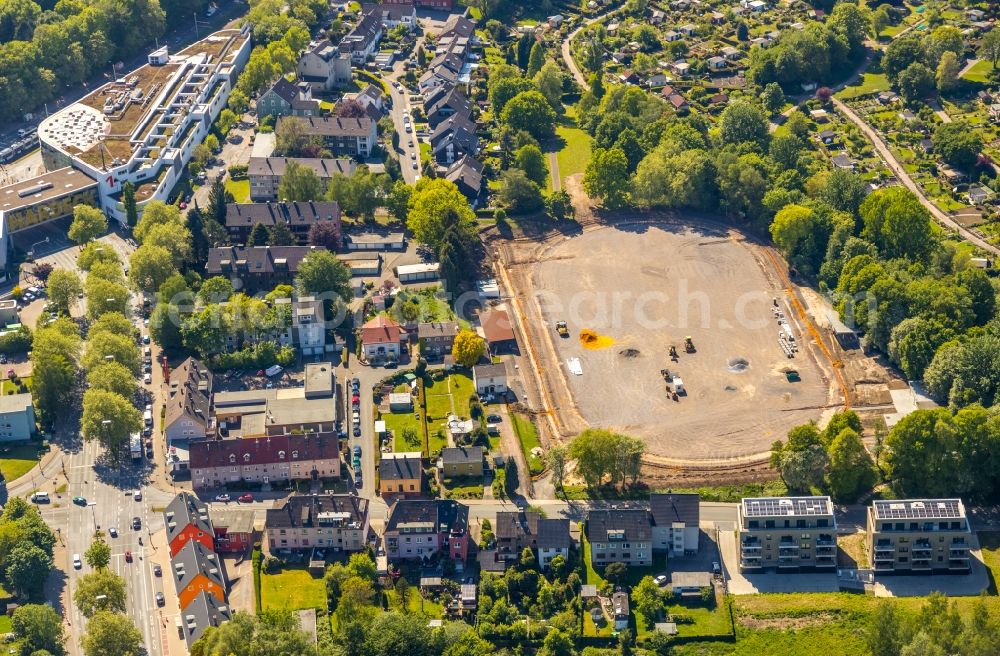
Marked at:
<point>265,173</point>
<point>307,330</point>
<point>271,459</point>
<point>787,533</point>
<point>622,535</point>
<point>287,99</point>
<point>298,216</point>
<point>188,404</point>
<point>716,63</point>
<point>424,529</point>
<point>467,174</point>
<point>498,331</point>
<point>435,77</point>
<point>196,570</point>
<point>400,473</point>
<point>436,338</point>
<point>380,339</point>
<point>843,161</point>
<point>441,5</point>
<point>453,138</point>
<point>186,519</point>
<point>675,523</point>
<point>462,462</point>
<point>17,417</point>
<point>394,14</point>
<point>354,137</point>
<point>444,102</point>
<point>371,98</point>
<point>918,536</point>
<point>323,67</point>
<point>234,530</point>
<point>336,522</point>
<point>204,611</point>
<point>490,378</point>
<point>257,268</point>
<point>518,530</point>
<point>363,39</point>
<point>619,603</point>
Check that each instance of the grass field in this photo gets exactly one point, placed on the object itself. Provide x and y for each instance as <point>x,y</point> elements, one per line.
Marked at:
<point>415,604</point>
<point>527,433</point>
<point>574,154</point>
<point>397,423</point>
<point>16,460</point>
<point>10,387</point>
<point>291,589</point>
<point>240,189</point>
<point>980,72</point>
<point>869,84</point>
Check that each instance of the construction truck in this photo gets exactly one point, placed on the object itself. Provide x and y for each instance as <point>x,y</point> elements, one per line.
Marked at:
<point>562,329</point>
<point>688,345</point>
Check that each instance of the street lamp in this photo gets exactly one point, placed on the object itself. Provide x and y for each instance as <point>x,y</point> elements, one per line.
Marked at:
<point>93,512</point>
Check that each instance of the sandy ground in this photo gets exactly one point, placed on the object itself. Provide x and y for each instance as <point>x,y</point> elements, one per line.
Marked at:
<point>646,288</point>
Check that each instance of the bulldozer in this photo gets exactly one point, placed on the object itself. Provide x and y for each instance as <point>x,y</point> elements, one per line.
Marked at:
<point>673,353</point>
<point>562,329</point>
<point>688,345</point>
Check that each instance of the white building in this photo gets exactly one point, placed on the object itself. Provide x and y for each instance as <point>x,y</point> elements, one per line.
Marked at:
<point>143,127</point>
<point>490,378</point>
<point>675,523</point>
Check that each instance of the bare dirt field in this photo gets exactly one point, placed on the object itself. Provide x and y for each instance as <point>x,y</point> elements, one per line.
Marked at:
<point>641,289</point>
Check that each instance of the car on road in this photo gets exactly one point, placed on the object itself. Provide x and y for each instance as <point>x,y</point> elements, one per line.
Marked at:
<point>147,378</point>
<point>145,339</point>
<point>77,563</point>
<point>128,556</point>
<point>157,570</point>
<point>413,156</point>
<point>137,495</point>
<point>40,497</point>
<point>408,128</point>
<point>246,498</point>
<point>410,143</point>
<point>414,166</point>
<point>136,523</point>
<point>222,497</point>
<point>80,501</point>
<point>113,532</point>
<point>494,419</point>
<point>159,599</point>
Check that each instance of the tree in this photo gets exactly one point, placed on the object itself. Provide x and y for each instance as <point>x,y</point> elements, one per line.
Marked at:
<point>844,191</point>
<point>916,83</point>
<point>948,71</point>
<point>98,555</point>
<point>896,222</point>
<point>349,108</point>
<point>149,267</point>
<point>557,643</point>
<point>881,19</point>
<point>957,143</point>
<point>218,198</point>
<point>199,240</point>
<point>549,81</point>
<point>238,102</point>
<point>88,224</point>
<point>435,207</point>
<point>802,461</point>
<point>531,112</point>
<point>648,599</point>
<point>55,353</point>
<point>773,98</point>
<point>27,568</point>
<point>519,194</point>
<point>742,122</point>
<point>607,177</point>
<point>468,348</point>
<point>555,460</point>
<point>112,377</point>
<point>38,628</point>
<point>852,471</point>
<point>111,634</point>
<point>615,573</point>
<point>529,159</point>
<point>536,58</point>
<point>884,634</point>
<point>300,183</point>
<point>104,347</point>
<point>122,416</point>
<point>854,22</point>
<point>216,289</point>
<point>158,213</point>
<point>503,89</point>
<point>325,234</point>
<point>258,235</point>
<point>281,235</point>
<point>989,46</point>
<point>100,591</point>
<point>558,205</point>
<point>322,273</point>
<point>131,206</point>
<point>398,200</point>
<point>64,287</point>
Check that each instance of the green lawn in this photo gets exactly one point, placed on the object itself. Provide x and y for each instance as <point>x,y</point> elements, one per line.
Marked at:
<point>463,488</point>
<point>240,189</point>
<point>869,84</point>
<point>291,589</point>
<point>415,604</point>
<point>16,460</point>
<point>527,433</point>
<point>980,72</point>
<point>10,387</point>
<point>574,155</point>
<point>396,423</point>
<point>448,395</point>
<point>705,621</point>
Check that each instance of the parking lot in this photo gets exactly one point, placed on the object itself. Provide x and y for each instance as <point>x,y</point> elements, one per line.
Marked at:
<point>641,289</point>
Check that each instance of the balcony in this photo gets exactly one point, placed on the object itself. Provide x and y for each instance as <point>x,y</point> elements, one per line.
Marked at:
<point>921,564</point>
<point>885,556</point>
<point>826,561</point>
<point>884,566</point>
<point>958,564</point>
<point>826,541</point>
<point>885,545</point>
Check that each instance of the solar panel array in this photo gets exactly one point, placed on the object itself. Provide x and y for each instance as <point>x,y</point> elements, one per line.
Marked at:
<point>786,506</point>
<point>920,509</point>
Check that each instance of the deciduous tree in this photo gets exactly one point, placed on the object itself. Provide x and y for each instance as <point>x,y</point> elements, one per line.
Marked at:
<point>88,224</point>
<point>100,591</point>
<point>468,348</point>
<point>111,634</point>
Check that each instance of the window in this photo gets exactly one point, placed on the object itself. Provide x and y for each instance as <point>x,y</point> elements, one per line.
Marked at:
<point>232,458</point>
<point>281,455</point>
<point>246,457</point>
<point>295,455</point>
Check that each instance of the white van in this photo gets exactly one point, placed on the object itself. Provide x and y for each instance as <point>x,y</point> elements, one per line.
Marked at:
<point>147,417</point>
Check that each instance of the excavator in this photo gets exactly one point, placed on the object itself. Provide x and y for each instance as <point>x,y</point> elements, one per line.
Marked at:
<point>562,329</point>
<point>688,345</point>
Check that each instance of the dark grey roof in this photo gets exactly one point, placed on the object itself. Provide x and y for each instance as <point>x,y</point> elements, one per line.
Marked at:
<point>190,392</point>
<point>439,515</point>
<point>194,559</point>
<point>256,259</point>
<point>467,174</point>
<point>459,25</point>
<point>184,510</point>
<point>490,370</point>
<point>298,511</point>
<point>634,523</point>
<point>368,29</point>
<point>530,529</point>
<point>670,508</point>
<point>324,167</point>
<point>400,469</point>
<point>460,455</point>
<point>203,612</point>
<point>437,329</point>
<point>292,214</point>
<point>284,90</point>
<point>332,126</point>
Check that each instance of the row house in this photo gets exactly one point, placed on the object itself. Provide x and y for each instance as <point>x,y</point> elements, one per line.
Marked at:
<point>241,218</point>
<point>188,404</point>
<point>518,530</point>
<point>363,39</point>
<point>622,535</point>
<point>257,268</point>
<point>337,522</point>
<point>423,530</point>
<point>265,460</point>
<point>265,173</point>
<point>394,14</point>
<point>353,137</point>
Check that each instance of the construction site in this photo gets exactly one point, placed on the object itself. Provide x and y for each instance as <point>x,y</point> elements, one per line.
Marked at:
<point>687,335</point>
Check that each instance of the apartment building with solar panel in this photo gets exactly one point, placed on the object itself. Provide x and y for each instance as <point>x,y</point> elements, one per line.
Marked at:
<point>787,534</point>
<point>918,536</point>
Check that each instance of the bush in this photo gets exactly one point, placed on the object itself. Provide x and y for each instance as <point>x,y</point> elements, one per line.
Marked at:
<point>238,171</point>
<point>18,341</point>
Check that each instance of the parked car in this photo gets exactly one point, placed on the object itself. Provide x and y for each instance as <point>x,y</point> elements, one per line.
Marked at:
<point>246,498</point>
<point>222,497</point>
<point>494,419</point>
<point>113,532</point>
<point>660,580</point>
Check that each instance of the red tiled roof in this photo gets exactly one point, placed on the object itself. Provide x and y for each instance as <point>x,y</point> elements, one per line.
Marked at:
<point>497,326</point>
<point>380,330</point>
<point>264,450</point>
